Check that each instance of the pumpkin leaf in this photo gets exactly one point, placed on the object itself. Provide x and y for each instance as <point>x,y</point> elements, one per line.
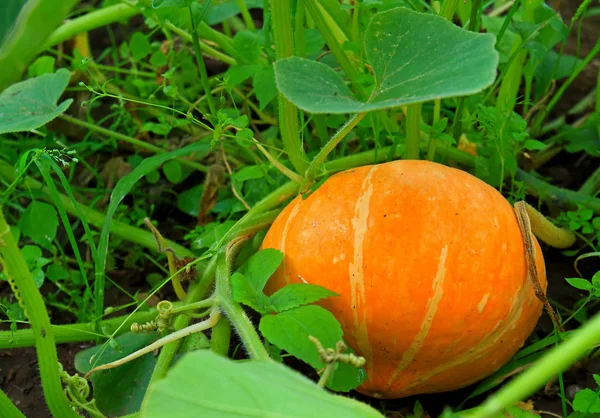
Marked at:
<point>243,389</point>
<point>581,284</point>
<point>415,57</point>
<point>243,292</point>
<point>26,33</point>
<point>298,294</point>
<point>129,380</point>
<point>260,267</point>
<point>32,103</point>
<point>289,331</point>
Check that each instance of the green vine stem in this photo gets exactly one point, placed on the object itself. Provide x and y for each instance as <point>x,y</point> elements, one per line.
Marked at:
<point>413,132</point>
<point>95,218</point>
<point>299,29</point>
<point>220,338</point>
<point>457,124</point>
<point>324,24</point>
<point>554,362</point>
<point>246,15</point>
<point>75,332</point>
<point>234,312</point>
<point>7,408</point>
<point>551,194</point>
<point>15,267</point>
<point>448,9</point>
<point>208,323</point>
<point>584,64</point>
<point>197,292</point>
<point>288,112</point>
<point>256,219</point>
<point>200,62</point>
<point>331,144</point>
<point>92,20</point>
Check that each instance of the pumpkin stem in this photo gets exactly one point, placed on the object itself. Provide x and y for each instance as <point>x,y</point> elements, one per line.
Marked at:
<point>545,230</point>
<point>526,230</point>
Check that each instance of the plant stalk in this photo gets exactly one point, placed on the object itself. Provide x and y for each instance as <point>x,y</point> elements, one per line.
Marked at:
<point>26,291</point>
<point>288,112</point>
<point>335,139</point>
<point>8,409</point>
<point>201,65</point>
<point>413,131</point>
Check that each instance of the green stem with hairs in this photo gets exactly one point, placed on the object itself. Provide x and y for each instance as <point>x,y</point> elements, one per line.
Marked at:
<point>413,132</point>
<point>554,362</point>
<point>94,218</point>
<point>233,310</point>
<point>200,62</point>
<point>335,139</point>
<point>592,184</point>
<point>8,409</point>
<point>288,112</point>
<point>15,268</point>
<point>130,140</point>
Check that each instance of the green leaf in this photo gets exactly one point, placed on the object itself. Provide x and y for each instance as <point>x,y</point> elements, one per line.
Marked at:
<point>42,65</point>
<point>225,9</point>
<point>157,4</point>
<point>28,33</point>
<point>289,331</point>
<point>55,273</point>
<point>189,201</point>
<point>139,46</point>
<point>32,103</point>
<point>250,172</point>
<point>237,74</point>
<point>40,223</point>
<point>581,284</point>
<point>415,58</point>
<point>243,292</point>
<point>231,389</point>
<point>158,59</point>
<point>260,267</point>
<point>248,44</point>
<point>586,401</point>
<point>8,17</point>
<point>264,86</point>
<point>129,381</point>
<point>533,144</point>
<point>211,234</point>
<point>298,294</point>
<point>175,172</point>
<point>346,377</point>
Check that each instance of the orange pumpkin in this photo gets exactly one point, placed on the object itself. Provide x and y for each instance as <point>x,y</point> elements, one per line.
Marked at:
<point>430,267</point>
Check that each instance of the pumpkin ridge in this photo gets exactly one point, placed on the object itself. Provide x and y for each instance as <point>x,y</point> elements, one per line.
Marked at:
<point>356,267</point>
<point>432,306</point>
<point>491,340</point>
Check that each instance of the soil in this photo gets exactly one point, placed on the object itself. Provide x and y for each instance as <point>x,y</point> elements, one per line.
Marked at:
<point>19,374</point>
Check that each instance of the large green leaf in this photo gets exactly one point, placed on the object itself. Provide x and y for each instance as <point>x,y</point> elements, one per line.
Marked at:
<point>119,391</point>
<point>208,385</point>
<point>28,33</point>
<point>415,57</point>
<point>32,103</point>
